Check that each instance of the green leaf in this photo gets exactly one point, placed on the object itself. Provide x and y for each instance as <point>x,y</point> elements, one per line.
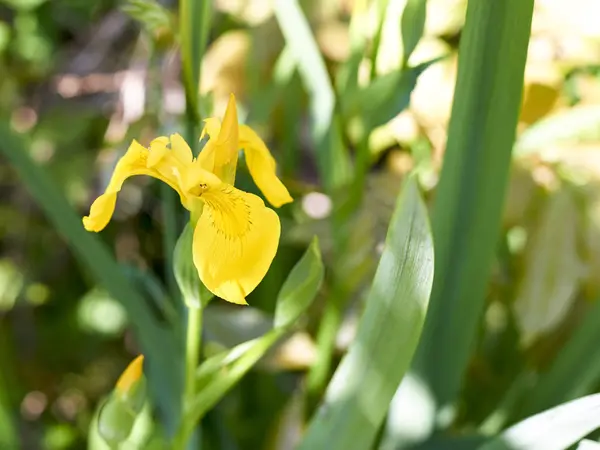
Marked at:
<point>386,97</point>
<point>155,18</point>
<point>555,429</point>
<point>578,124</point>
<point>157,343</point>
<point>300,287</point>
<point>412,26</point>
<point>194,28</point>
<point>470,195</point>
<point>332,156</point>
<point>552,269</point>
<point>362,387</point>
<point>575,371</point>
<point>218,374</point>
<point>193,290</point>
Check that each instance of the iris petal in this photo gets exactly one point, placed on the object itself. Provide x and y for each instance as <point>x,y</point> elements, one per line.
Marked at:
<point>262,167</point>
<point>235,241</point>
<point>135,161</point>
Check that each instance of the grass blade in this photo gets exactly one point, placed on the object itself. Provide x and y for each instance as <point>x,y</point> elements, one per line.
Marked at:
<point>300,287</point>
<point>470,194</point>
<point>574,372</point>
<point>332,157</point>
<point>194,23</point>
<point>157,344</point>
<point>556,429</point>
<point>363,385</point>
<point>412,26</point>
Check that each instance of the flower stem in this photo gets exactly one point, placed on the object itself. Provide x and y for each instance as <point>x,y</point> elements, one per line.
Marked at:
<point>192,358</point>
<point>192,352</point>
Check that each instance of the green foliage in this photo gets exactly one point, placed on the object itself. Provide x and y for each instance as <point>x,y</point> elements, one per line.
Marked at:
<point>300,288</point>
<point>355,102</point>
<point>556,429</point>
<point>467,212</point>
<point>362,387</point>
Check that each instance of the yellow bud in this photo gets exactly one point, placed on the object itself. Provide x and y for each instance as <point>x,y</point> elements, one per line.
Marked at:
<point>130,376</point>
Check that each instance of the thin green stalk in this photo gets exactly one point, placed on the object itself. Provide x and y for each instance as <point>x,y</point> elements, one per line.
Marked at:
<point>192,352</point>
<point>192,359</point>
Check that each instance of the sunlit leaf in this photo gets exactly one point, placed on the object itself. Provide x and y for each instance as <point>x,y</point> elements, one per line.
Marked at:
<point>556,429</point>
<point>300,287</point>
<point>362,387</point>
<point>552,269</point>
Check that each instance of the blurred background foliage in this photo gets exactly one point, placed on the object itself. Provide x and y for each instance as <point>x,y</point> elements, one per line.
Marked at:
<point>81,79</point>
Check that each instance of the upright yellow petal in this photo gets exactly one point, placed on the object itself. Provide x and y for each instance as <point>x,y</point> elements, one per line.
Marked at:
<point>206,158</point>
<point>181,149</point>
<point>220,154</point>
<point>262,167</point>
<point>136,161</point>
<point>235,241</point>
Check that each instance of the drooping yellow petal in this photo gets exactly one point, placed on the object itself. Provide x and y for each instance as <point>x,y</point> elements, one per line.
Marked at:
<point>235,241</point>
<point>262,167</point>
<point>158,150</point>
<point>136,161</point>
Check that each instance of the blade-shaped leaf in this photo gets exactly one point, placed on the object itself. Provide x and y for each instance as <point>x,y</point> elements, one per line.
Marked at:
<point>332,156</point>
<point>300,287</point>
<point>363,385</point>
<point>412,26</point>
<point>470,194</point>
<point>575,371</point>
<point>387,96</point>
<point>157,344</point>
<point>577,124</point>
<point>555,429</point>
<point>552,270</point>
<point>194,27</point>
<point>218,374</point>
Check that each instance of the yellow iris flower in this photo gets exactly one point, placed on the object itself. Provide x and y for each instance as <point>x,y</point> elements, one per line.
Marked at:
<point>236,235</point>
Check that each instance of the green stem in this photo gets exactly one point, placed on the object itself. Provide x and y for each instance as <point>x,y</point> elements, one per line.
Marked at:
<point>192,352</point>
<point>192,358</point>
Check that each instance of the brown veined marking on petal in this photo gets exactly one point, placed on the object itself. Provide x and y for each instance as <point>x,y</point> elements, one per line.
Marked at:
<point>229,213</point>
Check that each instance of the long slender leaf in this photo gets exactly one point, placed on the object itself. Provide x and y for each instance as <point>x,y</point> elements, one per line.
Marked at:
<point>332,157</point>
<point>300,287</point>
<point>157,344</point>
<point>194,23</point>
<point>413,24</point>
<point>579,124</point>
<point>555,429</point>
<point>574,372</point>
<point>470,194</point>
<point>359,394</point>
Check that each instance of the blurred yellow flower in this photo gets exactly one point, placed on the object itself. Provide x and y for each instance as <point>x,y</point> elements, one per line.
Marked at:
<point>236,235</point>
